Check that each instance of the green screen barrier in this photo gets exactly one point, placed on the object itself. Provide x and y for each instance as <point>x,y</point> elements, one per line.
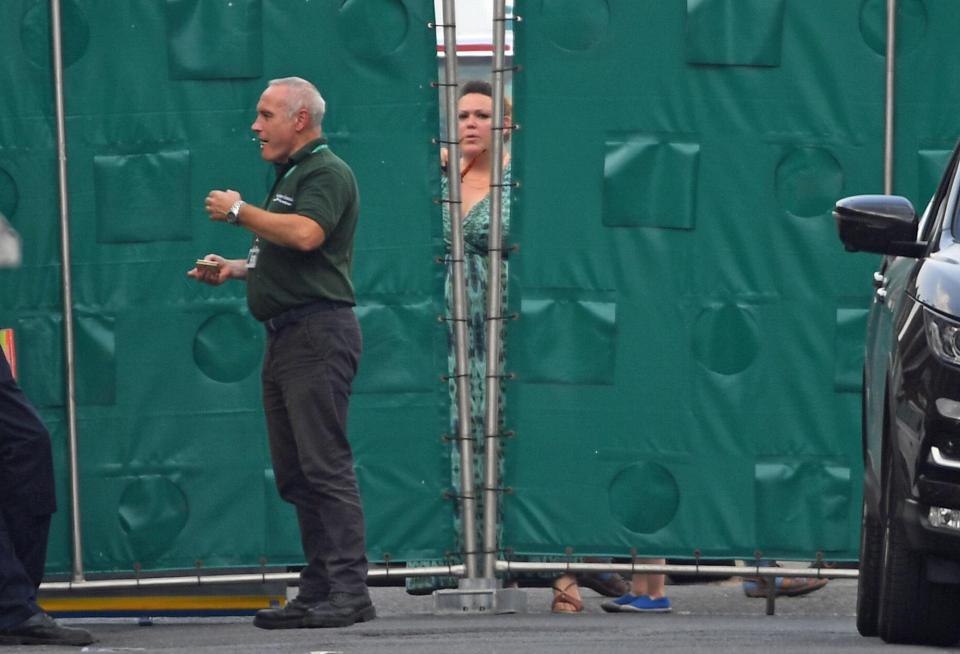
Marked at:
<point>690,336</point>
<point>174,467</point>
<point>689,342</point>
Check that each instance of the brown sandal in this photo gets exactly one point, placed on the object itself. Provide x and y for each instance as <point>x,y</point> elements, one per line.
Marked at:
<point>562,601</point>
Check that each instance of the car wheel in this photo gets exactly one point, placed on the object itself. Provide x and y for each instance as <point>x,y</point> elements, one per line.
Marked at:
<point>868,585</point>
<point>912,609</point>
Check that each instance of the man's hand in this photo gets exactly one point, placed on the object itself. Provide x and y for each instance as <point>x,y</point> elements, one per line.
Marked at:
<point>218,203</point>
<point>225,269</point>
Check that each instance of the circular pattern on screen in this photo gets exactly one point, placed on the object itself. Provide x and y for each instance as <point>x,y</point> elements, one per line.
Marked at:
<point>372,29</point>
<point>809,181</point>
<point>726,339</point>
<point>35,33</point>
<point>152,513</point>
<point>911,25</point>
<point>575,24</point>
<point>644,497</point>
<point>227,347</point>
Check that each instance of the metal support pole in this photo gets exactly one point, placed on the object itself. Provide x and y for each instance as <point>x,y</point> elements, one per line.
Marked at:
<point>891,95</point>
<point>556,567</point>
<point>217,579</point>
<point>491,494</point>
<point>68,343</point>
<point>562,567</point>
<point>468,502</point>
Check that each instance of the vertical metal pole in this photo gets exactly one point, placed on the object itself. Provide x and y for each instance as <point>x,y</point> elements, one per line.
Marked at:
<point>468,502</point>
<point>890,96</point>
<point>491,495</point>
<point>55,38</point>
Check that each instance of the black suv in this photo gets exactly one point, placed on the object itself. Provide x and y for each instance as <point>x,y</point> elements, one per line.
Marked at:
<point>909,588</point>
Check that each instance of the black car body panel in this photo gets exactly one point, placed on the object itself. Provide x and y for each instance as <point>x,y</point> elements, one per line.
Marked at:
<point>937,281</point>
<point>909,587</point>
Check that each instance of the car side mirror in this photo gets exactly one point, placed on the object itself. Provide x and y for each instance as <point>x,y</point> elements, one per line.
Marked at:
<point>885,224</point>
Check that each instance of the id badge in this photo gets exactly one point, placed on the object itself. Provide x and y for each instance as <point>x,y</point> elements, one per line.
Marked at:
<point>252,257</point>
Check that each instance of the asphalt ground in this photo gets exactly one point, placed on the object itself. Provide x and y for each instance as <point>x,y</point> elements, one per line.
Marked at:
<point>707,617</point>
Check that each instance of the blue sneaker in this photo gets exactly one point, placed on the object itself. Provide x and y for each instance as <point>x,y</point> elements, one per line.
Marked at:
<point>616,605</point>
<point>646,604</point>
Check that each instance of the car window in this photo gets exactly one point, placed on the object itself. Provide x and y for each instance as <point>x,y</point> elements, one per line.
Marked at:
<point>950,224</point>
<point>946,224</point>
<point>939,218</point>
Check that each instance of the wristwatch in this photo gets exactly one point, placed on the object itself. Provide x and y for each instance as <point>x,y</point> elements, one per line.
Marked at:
<point>233,216</point>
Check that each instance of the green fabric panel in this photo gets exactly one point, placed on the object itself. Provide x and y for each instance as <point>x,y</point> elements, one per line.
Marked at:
<point>927,118</point>
<point>649,183</point>
<point>40,359</point>
<point>735,32</point>
<point>566,338</point>
<point>738,333</point>
<point>930,166</point>
<point>688,345</point>
<point>215,40</point>
<point>96,352</point>
<point>160,179</point>
<point>160,97</point>
<point>851,326</point>
<point>808,497</point>
<point>402,341</point>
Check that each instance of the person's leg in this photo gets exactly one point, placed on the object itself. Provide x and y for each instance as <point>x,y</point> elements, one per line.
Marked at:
<point>316,376</point>
<point>307,376</point>
<point>22,621</point>
<point>566,595</point>
<point>26,484</point>
<point>609,584</point>
<point>646,594</point>
<point>759,587</point>
<point>650,585</point>
<point>26,460</point>
<point>29,534</point>
<point>291,485</point>
<point>18,599</point>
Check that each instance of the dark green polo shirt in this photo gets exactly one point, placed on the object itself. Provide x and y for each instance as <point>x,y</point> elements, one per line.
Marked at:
<point>317,184</point>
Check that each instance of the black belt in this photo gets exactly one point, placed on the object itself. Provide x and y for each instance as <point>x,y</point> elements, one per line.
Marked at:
<point>296,314</point>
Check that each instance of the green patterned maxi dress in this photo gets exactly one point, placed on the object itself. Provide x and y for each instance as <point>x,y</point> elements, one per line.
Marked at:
<point>476,227</point>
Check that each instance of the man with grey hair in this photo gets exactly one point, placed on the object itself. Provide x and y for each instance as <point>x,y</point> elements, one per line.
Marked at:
<point>298,275</point>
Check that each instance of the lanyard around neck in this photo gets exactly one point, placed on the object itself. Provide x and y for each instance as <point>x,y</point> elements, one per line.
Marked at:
<point>322,146</point>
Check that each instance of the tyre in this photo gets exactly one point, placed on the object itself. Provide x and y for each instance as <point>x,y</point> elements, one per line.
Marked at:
<point>868,586</point>
<point>912,609</point>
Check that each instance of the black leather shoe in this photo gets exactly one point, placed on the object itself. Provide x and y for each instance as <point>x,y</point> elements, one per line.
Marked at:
<point>341,610</point>
<point>289,617</point>
<point>41,629</point>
